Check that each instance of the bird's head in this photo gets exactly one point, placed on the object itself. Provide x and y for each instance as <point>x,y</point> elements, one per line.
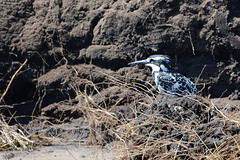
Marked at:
<point>156,62</point>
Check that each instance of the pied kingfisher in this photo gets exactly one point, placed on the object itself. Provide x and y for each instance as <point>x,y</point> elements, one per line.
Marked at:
<point>168,80</point>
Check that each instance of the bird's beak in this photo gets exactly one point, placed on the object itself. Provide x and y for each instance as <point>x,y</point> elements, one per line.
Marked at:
<point>138,62</point>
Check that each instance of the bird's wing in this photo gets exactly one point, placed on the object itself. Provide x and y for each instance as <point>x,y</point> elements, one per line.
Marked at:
<point>176,83</point>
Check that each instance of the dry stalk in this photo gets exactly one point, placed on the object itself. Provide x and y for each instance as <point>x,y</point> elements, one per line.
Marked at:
<point>11,80</point>
<point>11,138</point>
<point>191,41</point>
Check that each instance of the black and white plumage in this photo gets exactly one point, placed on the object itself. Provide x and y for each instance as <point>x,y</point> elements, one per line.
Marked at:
<point>166,79</point>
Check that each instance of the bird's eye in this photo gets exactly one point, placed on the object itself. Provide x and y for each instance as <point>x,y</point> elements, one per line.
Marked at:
<point>151,60</point>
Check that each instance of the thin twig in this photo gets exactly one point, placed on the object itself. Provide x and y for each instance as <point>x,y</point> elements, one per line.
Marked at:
<point>231,120</point>
<point>14,75</point>
<point>190,37</point>
<point>200,73</point>
<point>205,145</point>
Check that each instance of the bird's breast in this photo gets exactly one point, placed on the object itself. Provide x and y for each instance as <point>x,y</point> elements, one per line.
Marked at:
<point>155,76</point>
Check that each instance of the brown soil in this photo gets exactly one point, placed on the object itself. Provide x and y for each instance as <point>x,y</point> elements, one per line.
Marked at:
<point>76,85</point>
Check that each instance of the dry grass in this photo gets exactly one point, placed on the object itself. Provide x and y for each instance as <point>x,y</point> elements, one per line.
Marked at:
<point>12,138</point>
<point>144,135</point>
<point>149,136</point>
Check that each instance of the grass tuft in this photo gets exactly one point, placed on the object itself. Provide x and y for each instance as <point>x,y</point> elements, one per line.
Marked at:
<point>12,138</point>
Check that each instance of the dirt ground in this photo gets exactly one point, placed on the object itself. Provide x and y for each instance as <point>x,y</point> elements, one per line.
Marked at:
<point>67,92</point>
<point>62,152</point>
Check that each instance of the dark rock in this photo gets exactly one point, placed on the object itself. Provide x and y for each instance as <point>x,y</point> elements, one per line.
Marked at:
<point>110,33</point>
<point>81,49</point>
<point>235,95</point>
<point>182,108</point>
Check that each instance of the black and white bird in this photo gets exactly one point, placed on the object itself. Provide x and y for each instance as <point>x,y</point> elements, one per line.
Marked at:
<point>166,79</point>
